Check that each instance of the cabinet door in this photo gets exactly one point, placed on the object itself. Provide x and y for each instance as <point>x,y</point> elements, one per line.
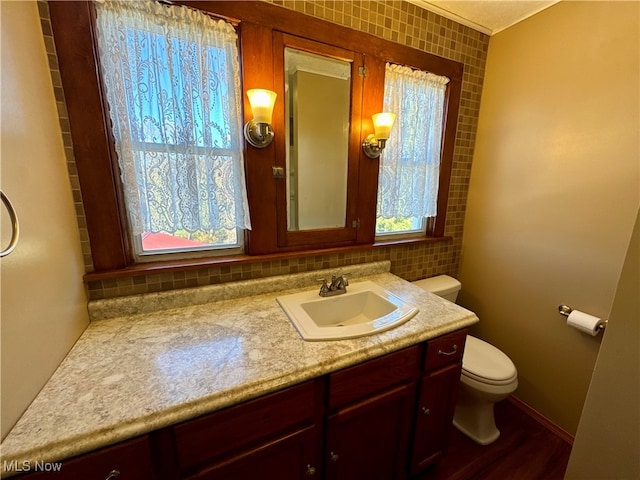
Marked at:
<point>368,441</point>
<point>438,393</point>
<point>291,457</point>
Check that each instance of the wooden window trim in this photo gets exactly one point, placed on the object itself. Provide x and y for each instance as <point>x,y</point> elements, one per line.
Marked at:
<point>93,146</point>
<point>74,35</point>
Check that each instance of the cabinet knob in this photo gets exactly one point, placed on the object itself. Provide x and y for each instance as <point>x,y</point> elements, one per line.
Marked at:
<point>426,411</point>
<point>311,470</point>
<point>113,474</point>
<point>334,457</point>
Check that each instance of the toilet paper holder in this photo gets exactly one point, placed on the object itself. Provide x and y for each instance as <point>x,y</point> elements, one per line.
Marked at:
<point>565,310</point>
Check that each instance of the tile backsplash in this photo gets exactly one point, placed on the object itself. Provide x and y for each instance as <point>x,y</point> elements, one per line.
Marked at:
<point>397,21</point>
<point>410,262</point>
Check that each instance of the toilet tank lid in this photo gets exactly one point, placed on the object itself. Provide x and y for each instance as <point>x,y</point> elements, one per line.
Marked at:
<point>440,285</point>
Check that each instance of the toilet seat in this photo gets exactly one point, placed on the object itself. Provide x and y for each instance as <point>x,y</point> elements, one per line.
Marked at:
<point>485,363</point>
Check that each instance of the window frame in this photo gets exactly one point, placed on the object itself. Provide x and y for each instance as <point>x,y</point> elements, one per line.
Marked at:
<point>403,234</point>
<point>74,36</point>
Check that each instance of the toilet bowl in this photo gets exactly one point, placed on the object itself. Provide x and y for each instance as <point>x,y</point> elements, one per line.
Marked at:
<point>488,375</point>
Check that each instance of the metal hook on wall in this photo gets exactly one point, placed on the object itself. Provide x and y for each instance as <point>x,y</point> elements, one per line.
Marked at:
<point>15,226</point>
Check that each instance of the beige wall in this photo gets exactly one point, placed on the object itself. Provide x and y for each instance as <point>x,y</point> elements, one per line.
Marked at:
<point>43,299</point>
<point>553,192</point>
<point>611,414</point>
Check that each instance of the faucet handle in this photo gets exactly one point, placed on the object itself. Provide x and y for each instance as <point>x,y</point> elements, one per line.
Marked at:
<point>324,288</point>
<point>339,281</point>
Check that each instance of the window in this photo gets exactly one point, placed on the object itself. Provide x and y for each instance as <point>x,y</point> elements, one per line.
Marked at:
<point>410,164</point>
<point>173,89</point>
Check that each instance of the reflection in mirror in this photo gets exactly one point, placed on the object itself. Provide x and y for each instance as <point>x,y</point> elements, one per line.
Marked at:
<point>317,137</point>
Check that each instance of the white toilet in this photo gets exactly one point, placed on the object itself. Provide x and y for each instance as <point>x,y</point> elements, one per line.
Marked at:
<point>488,375</point>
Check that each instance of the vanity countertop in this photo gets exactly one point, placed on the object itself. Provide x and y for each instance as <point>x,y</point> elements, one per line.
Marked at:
<point>201,350</point>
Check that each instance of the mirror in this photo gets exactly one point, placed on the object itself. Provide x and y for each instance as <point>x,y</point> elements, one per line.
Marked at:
<point>317,114</point>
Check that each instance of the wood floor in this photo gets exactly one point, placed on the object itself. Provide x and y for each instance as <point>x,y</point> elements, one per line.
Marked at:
<point>525,451</point>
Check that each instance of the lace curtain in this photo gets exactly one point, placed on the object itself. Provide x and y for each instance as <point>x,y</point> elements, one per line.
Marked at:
<point>410,163</point>
<point>172,84</point>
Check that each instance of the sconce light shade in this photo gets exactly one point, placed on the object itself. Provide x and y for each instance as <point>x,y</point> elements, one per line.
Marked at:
<point>375,142</point>
<point>382,124</point>
<point>262,102</point>
<point>258,132</point>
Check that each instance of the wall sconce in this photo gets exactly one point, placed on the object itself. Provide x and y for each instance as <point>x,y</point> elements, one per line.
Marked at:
<point>258,131</point>
<point>375,142</point>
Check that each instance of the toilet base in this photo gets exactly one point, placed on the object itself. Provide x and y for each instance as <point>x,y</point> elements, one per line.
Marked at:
<point>487,439</point>
<point>476,420</point>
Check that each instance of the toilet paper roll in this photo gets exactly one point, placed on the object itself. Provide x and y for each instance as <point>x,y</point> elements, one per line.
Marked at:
<point>584,322</point>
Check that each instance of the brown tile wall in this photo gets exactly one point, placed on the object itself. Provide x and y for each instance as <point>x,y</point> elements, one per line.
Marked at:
<point>397,21</point>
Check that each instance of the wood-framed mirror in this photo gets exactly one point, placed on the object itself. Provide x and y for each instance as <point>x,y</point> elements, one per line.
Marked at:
<point>319,88</point>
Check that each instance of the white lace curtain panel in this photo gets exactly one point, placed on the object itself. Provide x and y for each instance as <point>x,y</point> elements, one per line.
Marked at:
<point>173,89</point>
<point>410,163</point>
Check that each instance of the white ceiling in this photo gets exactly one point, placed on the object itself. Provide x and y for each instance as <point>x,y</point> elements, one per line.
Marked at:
<point>486,16</point>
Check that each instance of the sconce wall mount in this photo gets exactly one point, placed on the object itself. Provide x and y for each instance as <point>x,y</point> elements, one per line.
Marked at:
<point>375,143</point>
<point>373,146</point>
<point>258,131</point>
<point>259,135</point>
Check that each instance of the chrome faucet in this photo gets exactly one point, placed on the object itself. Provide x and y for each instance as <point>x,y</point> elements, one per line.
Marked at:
<point>337,286</point>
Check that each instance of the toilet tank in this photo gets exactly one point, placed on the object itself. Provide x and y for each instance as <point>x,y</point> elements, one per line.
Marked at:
<point>443,285</point>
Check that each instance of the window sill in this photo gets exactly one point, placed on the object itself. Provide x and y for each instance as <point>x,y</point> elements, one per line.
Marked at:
<point>410,241</point>
<point>154,268</point>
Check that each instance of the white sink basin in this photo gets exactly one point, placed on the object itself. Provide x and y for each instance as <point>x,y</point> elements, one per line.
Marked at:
<point>365,309</point>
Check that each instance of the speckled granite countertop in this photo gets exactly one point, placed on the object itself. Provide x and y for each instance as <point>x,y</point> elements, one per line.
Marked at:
<point>146,362</point>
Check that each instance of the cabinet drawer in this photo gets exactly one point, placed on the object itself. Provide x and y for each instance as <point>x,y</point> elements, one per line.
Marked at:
<point>291,457</point>
<point>363,380</point>
<point>131,459</point>
<point>445,349</point>
<point>200,441</point>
